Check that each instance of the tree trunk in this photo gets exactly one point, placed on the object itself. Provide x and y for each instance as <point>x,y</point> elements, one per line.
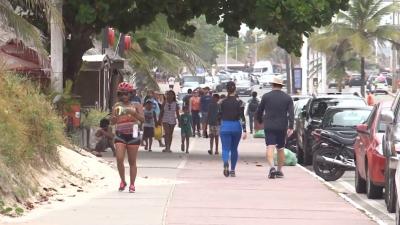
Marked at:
<point>288,72</point>
<point>362,88</point>
<point>79,43</point>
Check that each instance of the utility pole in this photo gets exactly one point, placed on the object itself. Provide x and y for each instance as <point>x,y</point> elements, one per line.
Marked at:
<point>226,51</point>
<point>56,52</point>
<point>393,62</point>
<point>256,53</point>
<point>304,66</point>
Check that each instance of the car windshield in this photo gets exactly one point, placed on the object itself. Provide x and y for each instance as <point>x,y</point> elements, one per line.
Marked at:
<point>319,106</point>
<point>191,84</point>
<point>345,118</point>
<point>197,79</point>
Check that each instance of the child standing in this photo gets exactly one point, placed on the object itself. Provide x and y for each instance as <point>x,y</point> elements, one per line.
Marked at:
<point>149,124</point>
<point>186,128</point>
<point>213,123</point>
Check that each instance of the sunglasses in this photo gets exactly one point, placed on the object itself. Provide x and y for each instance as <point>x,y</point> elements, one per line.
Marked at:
<point>122,93</point>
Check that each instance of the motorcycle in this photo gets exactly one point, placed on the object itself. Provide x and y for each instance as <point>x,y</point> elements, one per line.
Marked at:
<point>333,155</point>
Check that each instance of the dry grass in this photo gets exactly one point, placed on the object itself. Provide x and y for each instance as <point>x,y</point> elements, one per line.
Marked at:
<point>30,132</point>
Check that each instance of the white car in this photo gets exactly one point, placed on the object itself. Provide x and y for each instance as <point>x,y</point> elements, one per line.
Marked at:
<point>189,85</point>
<point>212,82</point>
<point>265,80</point>
<point>380,85</point>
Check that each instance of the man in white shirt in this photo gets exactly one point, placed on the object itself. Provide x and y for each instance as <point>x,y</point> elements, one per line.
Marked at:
<point>171,82</point>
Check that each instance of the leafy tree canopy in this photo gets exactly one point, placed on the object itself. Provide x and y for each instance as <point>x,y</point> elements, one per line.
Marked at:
<point>287,18</point>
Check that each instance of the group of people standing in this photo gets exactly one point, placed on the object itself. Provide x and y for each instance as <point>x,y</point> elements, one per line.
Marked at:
<point>221,117</point>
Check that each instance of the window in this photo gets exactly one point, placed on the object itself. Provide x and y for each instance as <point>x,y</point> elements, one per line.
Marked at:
<point>346,118</point>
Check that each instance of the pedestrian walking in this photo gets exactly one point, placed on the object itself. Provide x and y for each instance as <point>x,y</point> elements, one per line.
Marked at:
<point>253,104</point>
<point>214,122</point>
<point>171,82</point>
<point>186,99</point>
<point>186,128</point>
<point>205,101</point>
<point>158,96</point>
<point>233,127</point>
<point>126,116</point>
<point>370,99</point>
<point>195,110</point>
<point>168,117</point>
<point>278,124</point>
<point>150,118</point>
<point>134,98</point>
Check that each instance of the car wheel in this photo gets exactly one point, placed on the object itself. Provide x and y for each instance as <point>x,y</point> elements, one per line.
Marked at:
<point>360,184</point>
<point>308,157</point>
<point>397,213</point>
<point>300,154</point>
<point>390,190</point>
<point>373,191</point>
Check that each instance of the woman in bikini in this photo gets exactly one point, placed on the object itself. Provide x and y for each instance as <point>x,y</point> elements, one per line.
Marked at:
<point>126,116</point>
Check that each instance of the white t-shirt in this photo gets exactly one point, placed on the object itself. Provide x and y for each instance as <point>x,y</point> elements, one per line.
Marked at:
<point>171,81</point>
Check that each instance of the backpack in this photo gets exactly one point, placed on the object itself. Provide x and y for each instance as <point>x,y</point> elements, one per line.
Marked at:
<point>253,105</point>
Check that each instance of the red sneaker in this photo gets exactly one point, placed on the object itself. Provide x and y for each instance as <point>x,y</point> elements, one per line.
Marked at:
<point>132,188</point>
<point>122,186</point>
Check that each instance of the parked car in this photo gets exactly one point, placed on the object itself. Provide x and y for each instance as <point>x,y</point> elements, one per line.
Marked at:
<point>212,82</point>
<point>370,161</point>
<point>223,80</point>
<point>333,153</point>
<point>355,80</point>
<point>299,103</point>
<point>244,87</point>
<point>311,116</point>
<point>391,150</point>
<point>380,85</point>
<point>189,85</point>
<point>265,80</point>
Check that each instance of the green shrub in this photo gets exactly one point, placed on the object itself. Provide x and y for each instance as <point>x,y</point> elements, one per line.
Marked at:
<point>30,133</point>
<point>31,128</point>
<point>92,117</point>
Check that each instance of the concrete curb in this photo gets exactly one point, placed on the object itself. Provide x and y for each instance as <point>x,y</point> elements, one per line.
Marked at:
<point>347,199</point>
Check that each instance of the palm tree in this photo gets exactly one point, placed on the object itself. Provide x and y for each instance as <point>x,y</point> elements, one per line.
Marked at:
<point>360,26</point>
<point>24,30</point>
<point>156,46</point>
<point>340,56</point>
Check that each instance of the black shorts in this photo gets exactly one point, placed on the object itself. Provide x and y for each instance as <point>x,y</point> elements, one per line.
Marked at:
<point>148,132</point>
<point>275,137</point>
<point>171,86</point>
<point>126,139</point>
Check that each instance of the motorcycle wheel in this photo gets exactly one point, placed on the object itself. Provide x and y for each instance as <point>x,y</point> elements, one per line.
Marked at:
<point>327,171</point>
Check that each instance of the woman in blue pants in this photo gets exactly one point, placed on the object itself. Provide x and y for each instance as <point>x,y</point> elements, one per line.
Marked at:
<point>233,127</point>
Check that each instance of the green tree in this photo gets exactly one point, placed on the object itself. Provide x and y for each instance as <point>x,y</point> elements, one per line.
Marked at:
<point>288,19</point>
<point>157,46</point>
<point>359,26</point>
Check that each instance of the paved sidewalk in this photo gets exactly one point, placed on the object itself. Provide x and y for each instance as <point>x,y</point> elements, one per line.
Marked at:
<point>194,191</point>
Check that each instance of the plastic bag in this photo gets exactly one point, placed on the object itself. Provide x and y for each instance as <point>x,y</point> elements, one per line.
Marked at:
<point>259,134</point>
<point>290,158</point>
<point>158,132</point>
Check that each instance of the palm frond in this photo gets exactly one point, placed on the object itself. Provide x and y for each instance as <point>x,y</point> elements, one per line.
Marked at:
<point>388,33</point>
<point>387,10</point>
<point>23,29</point>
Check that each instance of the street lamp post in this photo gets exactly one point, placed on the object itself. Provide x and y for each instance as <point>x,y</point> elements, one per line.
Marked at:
<point>226,51</point>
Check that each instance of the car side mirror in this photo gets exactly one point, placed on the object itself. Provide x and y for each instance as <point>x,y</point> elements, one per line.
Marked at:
<point>387,117</point>
<point>362,128</point>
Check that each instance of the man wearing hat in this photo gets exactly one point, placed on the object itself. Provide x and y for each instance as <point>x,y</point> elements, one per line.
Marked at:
<point>276,111</point>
